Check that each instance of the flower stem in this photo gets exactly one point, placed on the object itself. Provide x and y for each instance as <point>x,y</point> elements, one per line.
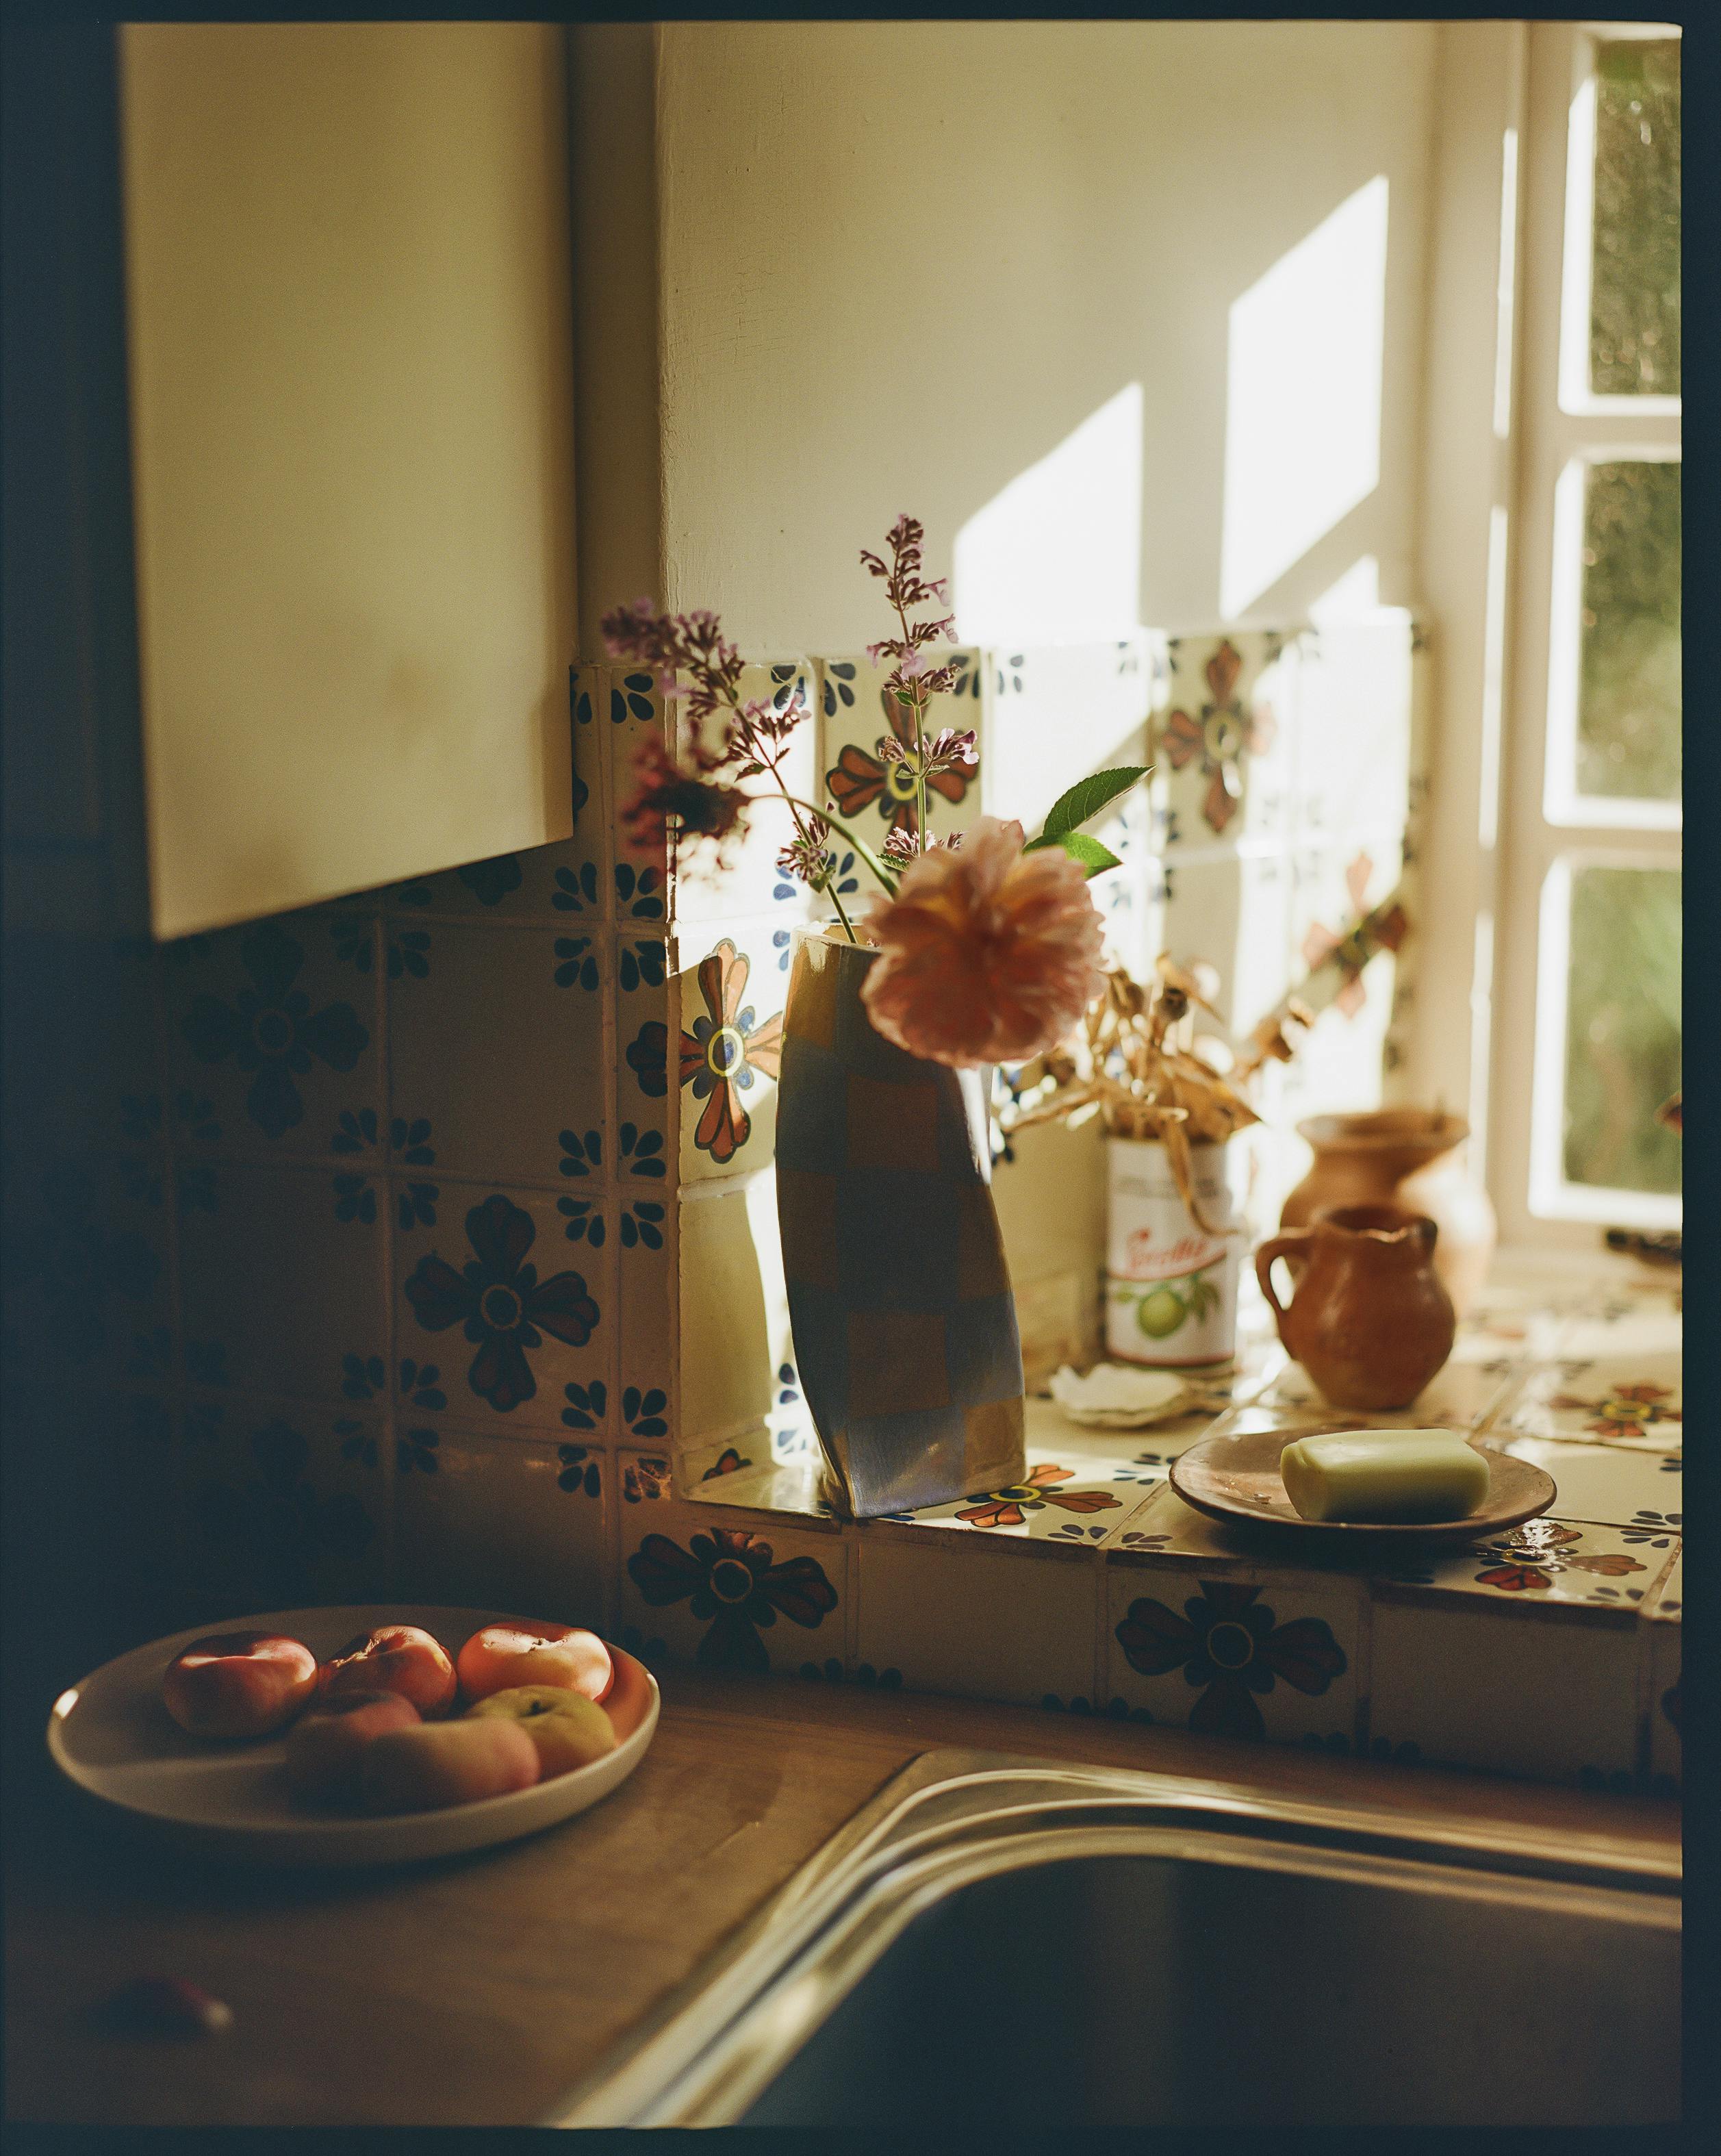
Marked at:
<point>854,838</point>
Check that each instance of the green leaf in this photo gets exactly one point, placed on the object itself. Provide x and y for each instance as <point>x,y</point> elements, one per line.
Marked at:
<point>1090,797</point>
<point>1093,857</point>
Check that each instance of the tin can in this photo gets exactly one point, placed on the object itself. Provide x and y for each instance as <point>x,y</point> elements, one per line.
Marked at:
<point>1171,1285</point>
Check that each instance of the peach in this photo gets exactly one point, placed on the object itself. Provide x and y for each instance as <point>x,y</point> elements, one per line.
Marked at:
<point>446,1762</point>
<point>239,1684</point>
<point>326,1748</point>
<point>569,1731</point>
<point>503,1657</point>
<point>395,1658</point>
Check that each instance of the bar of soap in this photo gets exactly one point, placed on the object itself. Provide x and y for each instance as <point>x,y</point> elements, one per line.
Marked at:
<point>1381,1477</point>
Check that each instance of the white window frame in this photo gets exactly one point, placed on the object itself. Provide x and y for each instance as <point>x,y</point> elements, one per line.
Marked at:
<point>1547,828</point>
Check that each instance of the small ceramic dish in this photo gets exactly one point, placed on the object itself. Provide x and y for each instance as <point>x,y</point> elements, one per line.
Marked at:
<point>1238,1480</point>
<point>111,1736</point>
<point>1111,1396</point>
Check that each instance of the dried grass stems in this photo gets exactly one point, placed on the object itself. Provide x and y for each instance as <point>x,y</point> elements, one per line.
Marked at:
<point>1136,1062</point>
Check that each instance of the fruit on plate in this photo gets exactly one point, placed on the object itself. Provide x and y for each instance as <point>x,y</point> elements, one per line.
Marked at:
<point>395,1658</point>
<point>239,1684</point>
<point>569,1730</point>
<point>503,1657</point>
<point>328,1743</point>
<point>438,1763</point>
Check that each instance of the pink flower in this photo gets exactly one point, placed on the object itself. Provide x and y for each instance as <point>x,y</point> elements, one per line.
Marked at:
<point>986,955</point>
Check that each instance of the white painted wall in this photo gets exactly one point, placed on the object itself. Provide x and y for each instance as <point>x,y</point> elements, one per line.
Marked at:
<point>901,263</point>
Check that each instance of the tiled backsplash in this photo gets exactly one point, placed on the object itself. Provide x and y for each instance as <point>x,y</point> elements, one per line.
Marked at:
<point>406,1232</point>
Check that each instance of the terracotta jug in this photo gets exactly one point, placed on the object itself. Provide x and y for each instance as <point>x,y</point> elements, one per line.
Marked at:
<point>1408,1157</point>
<point>1369,1320</point>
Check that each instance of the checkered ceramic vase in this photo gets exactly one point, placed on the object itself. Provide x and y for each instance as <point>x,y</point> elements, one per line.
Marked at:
<point>904,1325</point>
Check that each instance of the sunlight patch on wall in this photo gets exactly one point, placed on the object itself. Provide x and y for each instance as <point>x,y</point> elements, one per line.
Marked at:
<point>1358,590</point>
<point>1302,412</point>
<point>1056,557</point>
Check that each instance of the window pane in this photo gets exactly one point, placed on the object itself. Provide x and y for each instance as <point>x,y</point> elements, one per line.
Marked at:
<point>1628,691</point>
<point>1634,282</point>
<point>1622,1029</point>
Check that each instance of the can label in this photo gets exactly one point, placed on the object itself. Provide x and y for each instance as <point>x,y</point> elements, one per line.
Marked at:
<point>1171,1285</point>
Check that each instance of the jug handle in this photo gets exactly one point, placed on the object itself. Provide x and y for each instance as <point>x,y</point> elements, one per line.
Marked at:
<point>1296,1240</point>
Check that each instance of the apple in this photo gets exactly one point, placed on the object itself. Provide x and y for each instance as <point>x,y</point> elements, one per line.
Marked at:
<point>395,1658</point>
<point>438,1763</point>
<point>239,1684</point>
<point>326,1748</point>
<point>569,1730</point>
<point>503,1657</point>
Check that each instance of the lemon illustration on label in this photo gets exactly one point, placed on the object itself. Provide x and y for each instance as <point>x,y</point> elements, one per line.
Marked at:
<point>1160,1314</point>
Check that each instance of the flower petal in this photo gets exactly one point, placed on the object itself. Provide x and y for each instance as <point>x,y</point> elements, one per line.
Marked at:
<point>1154,1639</point>
<point>439,1296</point>
<point>501,1234</point>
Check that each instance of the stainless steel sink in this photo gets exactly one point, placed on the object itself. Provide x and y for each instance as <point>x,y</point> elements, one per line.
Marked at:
<point>1008,1943</point>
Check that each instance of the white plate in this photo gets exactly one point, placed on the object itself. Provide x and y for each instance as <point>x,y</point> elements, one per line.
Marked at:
<point>111,1735</point>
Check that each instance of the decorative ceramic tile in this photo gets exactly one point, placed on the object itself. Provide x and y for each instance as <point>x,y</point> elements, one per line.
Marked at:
<point>1606,1483</point>
<point>1226,1657</point>
<point>1223,748</point>
<point>647,1344</point>
<point>1457,1396</point>
<point>1625,1327</point>
<point>282,1279</point>
<point>286,1502</point>
<point>1547,1562</point>
<point>870,793</point>
<point>631,712</point>
<point>1332,889</point>
<point>87,1296</point>
<point>1051,1435</point>
<point>744,1474</point>
<point>273,1034</point>
<point>721,1591</point>
<point>501,1523</point>
<point>730,1274</point>
<point>726,1026</point>
<point>1060,711</point>
<point>1232,912</point>
<point>459,1105</point>
<point>1471,1688</point>
<point>1635,1402</point>
<point>745,877</point>
<point>1353,725</point>
<point>1662,1645</point>
<point>641,1151</point>
<point>1015,1622</point>
<point>511,1295</point>
<point>1063,1498</point>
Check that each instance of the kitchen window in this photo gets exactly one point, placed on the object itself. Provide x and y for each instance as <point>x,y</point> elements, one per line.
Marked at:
<point>1587,984</point>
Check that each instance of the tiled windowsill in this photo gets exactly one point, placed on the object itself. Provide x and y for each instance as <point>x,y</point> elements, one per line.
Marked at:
<point>1093,1588</point>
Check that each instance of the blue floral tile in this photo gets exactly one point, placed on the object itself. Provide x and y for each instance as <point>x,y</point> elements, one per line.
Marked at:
<point>282,1279</point>
<point>630,715</point>
<point>643,1102</point>
<point>87,1296</point>
<point>647,1342</point>
<point>725,1025</point>
<point>1274,1658</point>
<point>286,1502</point>
<point>732,1594</point>
<point>1013,1622</point>
<point>508,1308</point>
<point>748,880</point>
<point>273,1035</point>
<point>504,1523</point>
<point>496,1051</point>
<point>1470,1687</point>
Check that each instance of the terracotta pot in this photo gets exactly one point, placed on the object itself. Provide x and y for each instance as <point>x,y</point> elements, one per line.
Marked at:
<point>1369,1320</point>
<point>904,1325</point>
<point>1408,1157</point>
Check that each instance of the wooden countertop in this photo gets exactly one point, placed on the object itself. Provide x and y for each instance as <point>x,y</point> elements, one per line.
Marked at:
<point>477,1991</point>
